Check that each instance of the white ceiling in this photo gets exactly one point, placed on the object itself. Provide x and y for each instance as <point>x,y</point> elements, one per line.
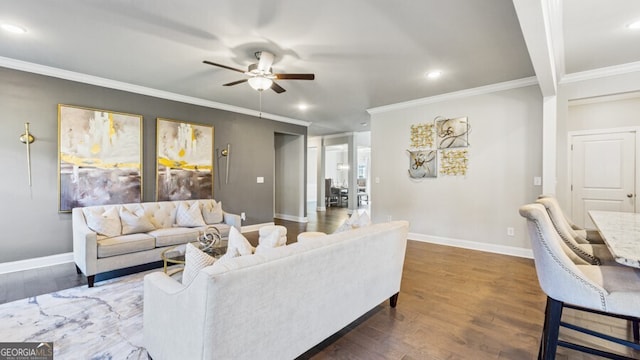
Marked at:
<point>364,53</point>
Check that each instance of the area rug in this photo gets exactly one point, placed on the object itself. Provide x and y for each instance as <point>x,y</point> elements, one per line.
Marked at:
<point>103,322</point>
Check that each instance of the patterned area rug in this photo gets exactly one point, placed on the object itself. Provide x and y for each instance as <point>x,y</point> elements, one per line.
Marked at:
<point>103,322</point>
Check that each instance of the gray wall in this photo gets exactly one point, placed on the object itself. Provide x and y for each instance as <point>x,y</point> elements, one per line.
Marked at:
<point>29,219</point>
<point>475,210</point>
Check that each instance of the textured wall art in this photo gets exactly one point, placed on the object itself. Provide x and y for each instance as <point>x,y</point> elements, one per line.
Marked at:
<point>184,161</point>
<point>454,162</point>
<point>423,163</point>
<point>100,157</point>
<point>421,136</point>
<point>452,133</point>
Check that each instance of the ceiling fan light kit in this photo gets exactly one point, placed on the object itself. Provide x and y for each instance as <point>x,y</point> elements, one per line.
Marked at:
<point>260,83</point>
<point>261,75</point>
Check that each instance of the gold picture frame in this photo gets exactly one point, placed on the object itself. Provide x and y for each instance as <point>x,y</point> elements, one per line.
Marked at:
<point>99,157</point>
<point>184,160</point>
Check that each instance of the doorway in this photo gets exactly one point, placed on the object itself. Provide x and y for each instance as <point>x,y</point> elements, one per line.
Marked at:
<point>289,177</point>
<point>603,172</point>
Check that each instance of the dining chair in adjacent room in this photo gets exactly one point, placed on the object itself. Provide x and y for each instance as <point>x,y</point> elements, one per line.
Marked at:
<point>606,290</point>
<point>595,254</point>
<point>329,195</point>
<point>581,234</point>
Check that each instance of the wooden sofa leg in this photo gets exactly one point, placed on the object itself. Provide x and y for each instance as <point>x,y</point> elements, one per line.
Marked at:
<point>393,300</point>
<point>78,271</point>
<point>90,280</point>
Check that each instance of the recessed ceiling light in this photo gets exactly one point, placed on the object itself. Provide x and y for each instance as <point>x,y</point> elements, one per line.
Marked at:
<point>303,107</point>
<point>634,25</point>
<point>433,74</point>
<point>15,29</point>
<point>364,123</point>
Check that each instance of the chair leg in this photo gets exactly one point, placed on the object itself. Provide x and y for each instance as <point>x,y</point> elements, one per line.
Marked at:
<point>551,329</point>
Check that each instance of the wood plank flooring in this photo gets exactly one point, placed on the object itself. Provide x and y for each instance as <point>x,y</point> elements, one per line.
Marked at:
<point>454,304</point>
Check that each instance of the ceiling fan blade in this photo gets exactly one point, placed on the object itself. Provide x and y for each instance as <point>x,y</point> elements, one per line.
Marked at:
<point>265,62</point>
<point>222,66</point>
<point>277,88</point>
<point>235,82</point>
<point>295,76</point>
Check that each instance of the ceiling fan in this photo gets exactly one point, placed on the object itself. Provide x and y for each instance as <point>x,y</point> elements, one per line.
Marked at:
<point>261,76</point>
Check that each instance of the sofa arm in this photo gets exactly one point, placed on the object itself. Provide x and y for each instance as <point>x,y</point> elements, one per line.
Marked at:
<point>233,220</point>
<point>172,318</point>
<point>85,244</point>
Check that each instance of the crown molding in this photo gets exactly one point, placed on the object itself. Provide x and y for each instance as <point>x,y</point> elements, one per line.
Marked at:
<point>601,72</point>
<point>333,136</point>
<point>136,89</point>
<point>507,85</point>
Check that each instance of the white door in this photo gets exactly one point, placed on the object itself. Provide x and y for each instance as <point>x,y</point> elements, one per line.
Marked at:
<point>603,174</point>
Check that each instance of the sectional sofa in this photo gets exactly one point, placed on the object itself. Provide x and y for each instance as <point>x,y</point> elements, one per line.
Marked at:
<point>277,304</point>
<point>111,237</point>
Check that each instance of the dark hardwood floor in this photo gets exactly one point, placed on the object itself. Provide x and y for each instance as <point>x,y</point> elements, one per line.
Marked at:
<point>454,304</point>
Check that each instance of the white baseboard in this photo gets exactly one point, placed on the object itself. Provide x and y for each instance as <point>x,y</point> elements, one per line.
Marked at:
<point>255,227</point>
<point>300,219</point>
<point>28,264</point>
<point>466,244</point>
<point>321,208</point>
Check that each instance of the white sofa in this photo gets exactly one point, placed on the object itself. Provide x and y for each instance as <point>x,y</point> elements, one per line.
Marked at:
<point>277,304</point>
<point>95,253</point>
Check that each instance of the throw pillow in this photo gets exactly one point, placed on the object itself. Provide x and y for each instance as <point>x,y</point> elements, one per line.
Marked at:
<point>194,261</point>
<point>349,223</point>
<point>364,220</point>
<point>105,223</point>
<point>134,222</point>
<point>212,212</point>
<point>238,245</point>
<point>355,221</point>
<point>189,216</point>
<point>273,240</point>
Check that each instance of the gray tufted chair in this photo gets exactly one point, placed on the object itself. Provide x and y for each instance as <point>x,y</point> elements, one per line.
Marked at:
<point>581,235</point>
<point>608,290</point>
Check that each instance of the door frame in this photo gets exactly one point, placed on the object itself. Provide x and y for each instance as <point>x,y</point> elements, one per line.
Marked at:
<point>571,134</point>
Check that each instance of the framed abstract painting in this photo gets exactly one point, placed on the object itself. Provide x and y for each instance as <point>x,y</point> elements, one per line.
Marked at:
<point>184,160</point>
<point>99,157</point>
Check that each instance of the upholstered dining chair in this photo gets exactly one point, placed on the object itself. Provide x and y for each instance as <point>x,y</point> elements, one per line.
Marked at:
<point>594,254</point>
<point>329,195</point>
<point>606,290</point>
<point>582,235</point>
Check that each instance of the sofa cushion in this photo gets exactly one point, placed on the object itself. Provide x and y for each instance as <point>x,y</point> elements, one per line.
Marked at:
<point>106,223</point>
<point>124,244</point>
<point>212,212</point>
<point>134,221</point>
<point>195,260</point>
<point>189,215</point>
<point>174,236</point>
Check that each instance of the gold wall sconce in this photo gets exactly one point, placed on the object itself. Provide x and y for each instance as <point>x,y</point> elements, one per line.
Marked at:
<point>27,139</point>
<point>226,152</point>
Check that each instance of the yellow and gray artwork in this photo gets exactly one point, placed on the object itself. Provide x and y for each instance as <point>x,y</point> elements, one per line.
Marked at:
<point>423,164</point>
<point>184,161</point>
<point>100,156</point>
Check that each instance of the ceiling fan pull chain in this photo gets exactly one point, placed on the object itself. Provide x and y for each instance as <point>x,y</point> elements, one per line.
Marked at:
<point>260,97</point>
